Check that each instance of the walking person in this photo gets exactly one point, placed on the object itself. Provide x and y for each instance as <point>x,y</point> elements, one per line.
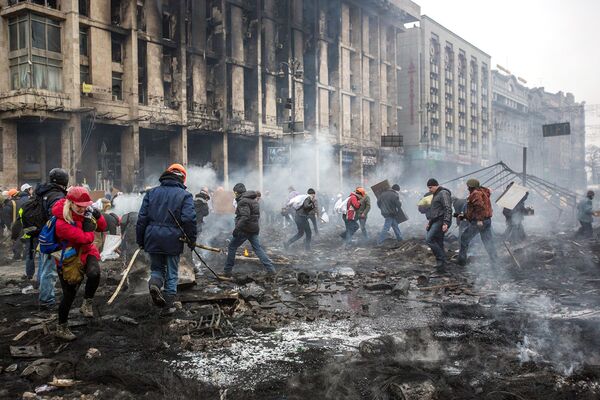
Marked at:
<point>363,212</point>
<point>479,214</point>
<point>351,217</point>
<point>49,193</point>
<point>439,217</point>
<point>76,222</point>
<point>301,219</point>
<point>160,236</point>
<point>247,227</point>
<point>315,214</point>
<point>585,215</point>
<point>390,206</point>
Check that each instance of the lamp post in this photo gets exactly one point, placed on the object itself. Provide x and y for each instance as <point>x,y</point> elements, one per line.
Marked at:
<point>293,70</point>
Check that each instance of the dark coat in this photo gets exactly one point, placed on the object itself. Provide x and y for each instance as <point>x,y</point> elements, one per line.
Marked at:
<point>308,207</point>
<point>202,210</point>
<point>50,194</point>
<point>156,231</point>
<point>247,214</point>
<point>112,222</point>
<point>441,207</point>
<point>389,203</point>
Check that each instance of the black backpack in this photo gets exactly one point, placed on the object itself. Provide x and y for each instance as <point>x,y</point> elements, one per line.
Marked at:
<point>34,216</point>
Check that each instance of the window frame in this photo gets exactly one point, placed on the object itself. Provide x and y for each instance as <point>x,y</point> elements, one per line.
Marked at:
<point>24,62</point>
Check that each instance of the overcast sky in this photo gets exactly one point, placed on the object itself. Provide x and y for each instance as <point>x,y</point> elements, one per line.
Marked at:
<point>550,43</point>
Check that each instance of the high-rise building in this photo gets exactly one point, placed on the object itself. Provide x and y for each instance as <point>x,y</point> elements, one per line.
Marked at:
<point>446,100</point>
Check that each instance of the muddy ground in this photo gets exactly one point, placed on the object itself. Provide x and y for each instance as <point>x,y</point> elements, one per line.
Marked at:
<point>367,323</point>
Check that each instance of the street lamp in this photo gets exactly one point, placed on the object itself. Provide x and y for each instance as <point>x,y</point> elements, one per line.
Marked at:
<point>293,70</point>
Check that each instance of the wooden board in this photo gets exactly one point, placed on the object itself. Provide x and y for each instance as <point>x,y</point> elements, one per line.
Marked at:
<point>512,196</point>
<point>380,187</point>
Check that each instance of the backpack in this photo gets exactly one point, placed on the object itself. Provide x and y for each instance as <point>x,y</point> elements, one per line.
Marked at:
<point>341,206</point>
<point>47,238</point>
<point>34,216</point>
<point>298,201</point>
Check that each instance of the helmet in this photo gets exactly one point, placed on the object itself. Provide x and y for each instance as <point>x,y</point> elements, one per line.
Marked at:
<point>178,169</point>
<point>59,176</point>
<point>12,192</point>
<point>25,187</point>
<point>361,191</point>
<point>473,183</point>
<point>80,196</point>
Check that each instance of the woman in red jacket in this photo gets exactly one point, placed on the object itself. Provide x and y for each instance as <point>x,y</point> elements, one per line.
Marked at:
<point>76,222</point>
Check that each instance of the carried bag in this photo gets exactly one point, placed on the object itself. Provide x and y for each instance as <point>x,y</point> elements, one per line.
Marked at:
<point>69,265</point>
<point>341,206</point>
<point>425,203</point>
<point>297,201</point>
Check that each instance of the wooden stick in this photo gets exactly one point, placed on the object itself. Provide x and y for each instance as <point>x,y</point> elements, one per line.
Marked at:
<point>511,254</point>
<point>114,295</point>
<point>446,285</point>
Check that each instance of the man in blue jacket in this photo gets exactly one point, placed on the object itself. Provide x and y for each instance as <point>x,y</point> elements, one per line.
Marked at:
<point>159,235</point>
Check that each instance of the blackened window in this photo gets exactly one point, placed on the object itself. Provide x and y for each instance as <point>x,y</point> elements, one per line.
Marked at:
<point>117,85</point>
<point>83,41</point>
<point>115,12</point>
<point>116,48</point>
<point>84,8</point>
<point>84,74</point>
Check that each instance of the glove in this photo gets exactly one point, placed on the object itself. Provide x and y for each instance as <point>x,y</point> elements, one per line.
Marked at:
<point>191,245</point>
<point>95,212</point>
<point>89,224</point>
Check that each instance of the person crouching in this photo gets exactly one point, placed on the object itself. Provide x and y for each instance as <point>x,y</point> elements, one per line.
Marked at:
<point>76,222</point>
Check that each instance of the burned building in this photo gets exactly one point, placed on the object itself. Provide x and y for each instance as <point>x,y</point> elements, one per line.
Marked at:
<point>519,115</point>
<point>445,90</point>
<point>115,90</point>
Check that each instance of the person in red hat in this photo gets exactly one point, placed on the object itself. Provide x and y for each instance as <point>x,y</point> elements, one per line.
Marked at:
<point>76,221</point>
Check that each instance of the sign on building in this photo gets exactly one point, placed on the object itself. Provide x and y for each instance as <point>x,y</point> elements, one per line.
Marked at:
<point>560,129</point>
<point>278,155</point>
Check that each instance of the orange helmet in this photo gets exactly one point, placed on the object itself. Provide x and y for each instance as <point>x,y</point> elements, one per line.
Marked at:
<point>361,191</point>
<point>12,192</point>
<point>178,169</point>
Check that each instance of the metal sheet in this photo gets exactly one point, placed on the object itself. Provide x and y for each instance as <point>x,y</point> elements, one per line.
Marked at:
<point>511,197</point>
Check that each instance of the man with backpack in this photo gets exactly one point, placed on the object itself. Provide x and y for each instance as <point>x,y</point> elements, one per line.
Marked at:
<point>34,216</point>
<point>303,206</point>
<point>479,215</point>
<point>352,216</point>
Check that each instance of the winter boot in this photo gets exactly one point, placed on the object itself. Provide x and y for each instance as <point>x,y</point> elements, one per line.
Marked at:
<point>169,308</point>
<point>157,296</point>
<point>86,308</point>
<point>63,332</point>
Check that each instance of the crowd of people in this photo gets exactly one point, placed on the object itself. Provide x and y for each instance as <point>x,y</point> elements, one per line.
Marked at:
<point>60,223</point>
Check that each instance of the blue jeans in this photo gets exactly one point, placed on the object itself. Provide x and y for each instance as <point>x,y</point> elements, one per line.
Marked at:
<point>237,241</point>
<point>30,246</point>
<point>351,228</point>
<point>164,272</point>
<point>435,240</point>
<point>486,237</point>
<point>389,223</point>
<point>47,277</point>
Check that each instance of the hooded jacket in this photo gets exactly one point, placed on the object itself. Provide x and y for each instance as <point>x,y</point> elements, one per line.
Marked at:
<point>365,206</point>
<point>441,207</point>
<point>74,234</point>
<point>479,206</point>
<point>247,214</point>
<point>156,231</point>
<point>50,193</point>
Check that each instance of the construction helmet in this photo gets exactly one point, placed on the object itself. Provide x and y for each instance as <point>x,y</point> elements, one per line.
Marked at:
<point>178,169</point>
<point>361,191</point>
<point>12,192</point>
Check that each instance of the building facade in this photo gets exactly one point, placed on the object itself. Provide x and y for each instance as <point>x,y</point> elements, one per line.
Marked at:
<point>519,114</point>
<point>510,106</point>
<point>115,90</point>
<point>445,92</point>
